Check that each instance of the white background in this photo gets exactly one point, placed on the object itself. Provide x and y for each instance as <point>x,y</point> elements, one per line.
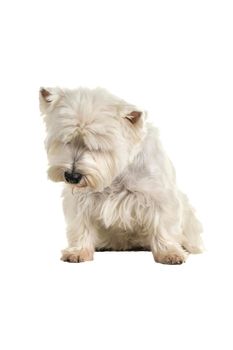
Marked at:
<point>173,58</point>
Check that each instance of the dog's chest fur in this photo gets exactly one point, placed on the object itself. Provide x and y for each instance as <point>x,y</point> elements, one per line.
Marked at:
<point>121,220</point>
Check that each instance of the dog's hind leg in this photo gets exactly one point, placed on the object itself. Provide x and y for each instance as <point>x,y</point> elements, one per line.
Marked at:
<point>192,229</point>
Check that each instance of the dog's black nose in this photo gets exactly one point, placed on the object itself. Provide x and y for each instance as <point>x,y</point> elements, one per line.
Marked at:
<point>72,178</point>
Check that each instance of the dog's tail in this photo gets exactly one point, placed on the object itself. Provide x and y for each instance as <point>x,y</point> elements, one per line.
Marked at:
<point>192,229</point>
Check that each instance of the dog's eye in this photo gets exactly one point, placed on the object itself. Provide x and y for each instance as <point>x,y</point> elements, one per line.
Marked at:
<point>68,142</point>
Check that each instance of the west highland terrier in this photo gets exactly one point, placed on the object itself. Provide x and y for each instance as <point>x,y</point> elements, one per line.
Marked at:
<point>120,188</point>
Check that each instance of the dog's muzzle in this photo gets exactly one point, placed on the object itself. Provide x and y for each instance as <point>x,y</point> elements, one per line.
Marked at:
<point>72,178</point>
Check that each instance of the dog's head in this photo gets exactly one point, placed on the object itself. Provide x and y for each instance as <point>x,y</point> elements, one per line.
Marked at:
<point>91,135</point>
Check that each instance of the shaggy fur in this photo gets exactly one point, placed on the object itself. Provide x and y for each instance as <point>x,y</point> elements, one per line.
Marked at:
<point>127,197</point>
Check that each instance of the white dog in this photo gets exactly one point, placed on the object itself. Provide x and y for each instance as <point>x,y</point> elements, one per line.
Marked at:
<point>120,187</point>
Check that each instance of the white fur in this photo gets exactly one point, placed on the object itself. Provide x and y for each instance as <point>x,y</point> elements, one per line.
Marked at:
<point>128,197</point>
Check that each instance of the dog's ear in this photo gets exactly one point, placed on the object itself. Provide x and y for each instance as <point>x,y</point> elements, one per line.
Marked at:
<point>45,94</point>
<point>134,116</point>
<point>48,98</point>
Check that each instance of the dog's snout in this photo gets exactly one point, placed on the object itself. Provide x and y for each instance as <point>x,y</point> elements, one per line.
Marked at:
<point>72,178</point>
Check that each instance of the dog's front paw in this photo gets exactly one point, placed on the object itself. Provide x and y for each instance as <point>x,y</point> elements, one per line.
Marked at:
<point>73,255</point>
<point>171,258</point>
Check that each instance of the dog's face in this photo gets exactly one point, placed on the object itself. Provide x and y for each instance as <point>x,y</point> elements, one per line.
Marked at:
<point>91,135</point>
